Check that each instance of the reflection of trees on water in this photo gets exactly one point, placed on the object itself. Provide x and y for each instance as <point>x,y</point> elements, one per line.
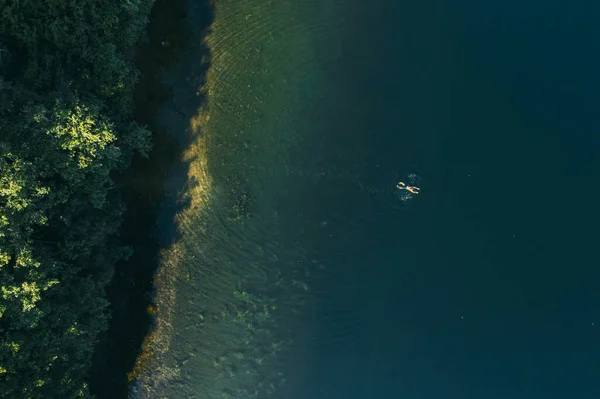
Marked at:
<point>242,281</point>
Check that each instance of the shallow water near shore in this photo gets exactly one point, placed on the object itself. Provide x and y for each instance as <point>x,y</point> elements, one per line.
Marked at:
<point>236,279</point>
<point>298,270</point>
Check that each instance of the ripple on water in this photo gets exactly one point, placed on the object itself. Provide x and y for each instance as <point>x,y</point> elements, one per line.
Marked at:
<point>233,285</point>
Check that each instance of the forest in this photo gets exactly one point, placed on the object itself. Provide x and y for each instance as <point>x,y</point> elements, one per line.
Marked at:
<point>66,130</point>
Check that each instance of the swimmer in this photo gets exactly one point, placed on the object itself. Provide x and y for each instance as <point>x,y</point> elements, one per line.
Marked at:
<point>412,189</point>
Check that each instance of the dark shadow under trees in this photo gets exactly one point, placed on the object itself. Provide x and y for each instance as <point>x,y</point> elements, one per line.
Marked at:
<point>143,190</point>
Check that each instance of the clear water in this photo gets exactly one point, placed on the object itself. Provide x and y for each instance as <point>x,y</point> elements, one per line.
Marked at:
<point>301,272</point>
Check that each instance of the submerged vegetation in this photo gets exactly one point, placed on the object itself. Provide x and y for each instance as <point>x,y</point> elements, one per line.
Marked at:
<point>66,129</point>
<point>232,286</point>
<point>236,275</point>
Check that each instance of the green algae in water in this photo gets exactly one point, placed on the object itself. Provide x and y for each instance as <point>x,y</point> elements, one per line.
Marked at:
<point>234,282</point>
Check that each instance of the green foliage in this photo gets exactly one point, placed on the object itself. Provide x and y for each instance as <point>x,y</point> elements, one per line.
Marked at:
<point>87,42</point>
<point>65,128</point>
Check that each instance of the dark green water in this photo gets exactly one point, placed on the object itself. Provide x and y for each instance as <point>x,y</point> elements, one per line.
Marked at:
<point>484,286</point>
<point>487,284</point>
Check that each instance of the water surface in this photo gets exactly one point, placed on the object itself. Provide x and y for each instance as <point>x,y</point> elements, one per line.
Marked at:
<point>300,271</point>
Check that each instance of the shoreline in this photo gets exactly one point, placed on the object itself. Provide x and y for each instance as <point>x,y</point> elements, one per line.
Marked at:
<point>143,186</point>
<point>220,276</point>
<point>235,279</point>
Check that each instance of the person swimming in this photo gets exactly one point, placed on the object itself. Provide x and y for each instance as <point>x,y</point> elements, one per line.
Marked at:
<point>412,189</point>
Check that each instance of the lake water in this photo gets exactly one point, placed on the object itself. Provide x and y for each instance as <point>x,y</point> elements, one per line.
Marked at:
<point>299,271</point>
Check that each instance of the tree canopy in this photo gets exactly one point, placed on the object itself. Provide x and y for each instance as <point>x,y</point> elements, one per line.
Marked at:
<point>65,128</point>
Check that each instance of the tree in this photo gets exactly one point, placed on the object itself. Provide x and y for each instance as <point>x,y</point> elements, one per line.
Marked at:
<point>65,127</point>
<point>57,218</point>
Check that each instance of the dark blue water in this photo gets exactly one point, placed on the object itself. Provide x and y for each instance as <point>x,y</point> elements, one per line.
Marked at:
<point>487,285</point>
